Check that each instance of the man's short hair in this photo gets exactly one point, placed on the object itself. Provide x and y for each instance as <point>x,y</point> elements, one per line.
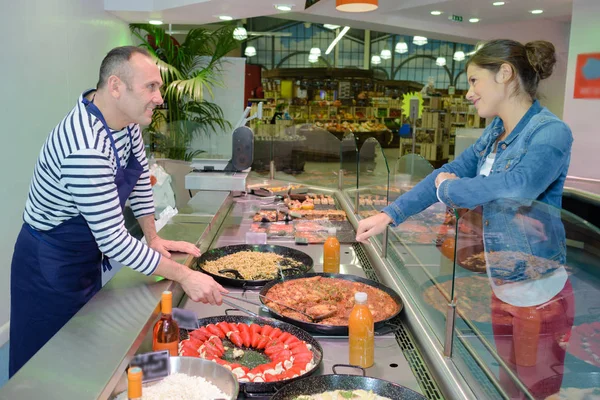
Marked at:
<point>115,63</point>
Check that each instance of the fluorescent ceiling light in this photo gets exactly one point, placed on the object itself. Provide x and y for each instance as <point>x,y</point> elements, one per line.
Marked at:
<point>225,17</point>
<point>313,58</point>
<point>337,39</point>
<point>240,33</point>
<point>330,26</point>
<point>536,11</point>
<point>315,50</point>
<point>474,20</point>
<point>498,3</point>
<point>441,61</point>
<point>401,48</point>
<point>250,51</point>
<point>436,13</point>
<point>155,22</point>
<point>386,54</point>
<point>283,7</point>
<point>420,40</point>
<point>375,60</point>
<point>459,56</point>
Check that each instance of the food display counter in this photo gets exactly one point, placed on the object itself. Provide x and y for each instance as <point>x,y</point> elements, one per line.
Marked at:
<point>457,336</point>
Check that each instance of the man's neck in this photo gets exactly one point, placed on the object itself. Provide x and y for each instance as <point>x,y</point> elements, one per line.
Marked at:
<point>104,103</point>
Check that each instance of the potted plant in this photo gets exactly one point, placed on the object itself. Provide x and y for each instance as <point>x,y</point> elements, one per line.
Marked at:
<point>187,70</point>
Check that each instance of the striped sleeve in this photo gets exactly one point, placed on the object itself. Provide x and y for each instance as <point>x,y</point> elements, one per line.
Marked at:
<point>89,177</point>
<point>141,199</point>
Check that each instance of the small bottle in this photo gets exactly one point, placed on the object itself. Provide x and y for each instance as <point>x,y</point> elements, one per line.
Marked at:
<point>361,333</point>
<point>331,253</point>
<point>166,330</point>
<point>134,383</point>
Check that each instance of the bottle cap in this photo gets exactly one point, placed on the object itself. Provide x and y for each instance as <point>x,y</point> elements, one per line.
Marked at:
<point>331,231</point>
<point>360,297</point>
<point>134,383</point>
<point>166,302</point>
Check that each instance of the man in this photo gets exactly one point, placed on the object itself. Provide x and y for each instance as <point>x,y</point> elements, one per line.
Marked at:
<point>91,163</point>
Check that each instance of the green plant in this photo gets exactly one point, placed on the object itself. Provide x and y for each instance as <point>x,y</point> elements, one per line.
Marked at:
<point>187,70</point>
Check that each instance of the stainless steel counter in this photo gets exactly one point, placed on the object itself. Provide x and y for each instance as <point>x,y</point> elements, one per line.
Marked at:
<point>390,363</point>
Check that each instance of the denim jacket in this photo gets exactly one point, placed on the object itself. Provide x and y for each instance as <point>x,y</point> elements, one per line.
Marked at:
<point>531,163</point>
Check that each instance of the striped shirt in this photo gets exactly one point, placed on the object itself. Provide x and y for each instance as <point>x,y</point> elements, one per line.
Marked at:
<point>74,175</point>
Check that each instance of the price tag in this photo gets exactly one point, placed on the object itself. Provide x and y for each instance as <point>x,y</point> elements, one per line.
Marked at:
<point>256,238</point>
<point>154,365</point>
<point>185,319</point>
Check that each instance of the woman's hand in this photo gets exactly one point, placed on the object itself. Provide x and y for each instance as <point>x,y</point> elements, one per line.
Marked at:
<point>442,176</point>
<point>372,226</point>
<point>164,247</point>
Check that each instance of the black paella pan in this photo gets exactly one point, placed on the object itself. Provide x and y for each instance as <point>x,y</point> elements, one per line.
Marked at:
<point>337,330</point>
<point>326,383</point>
<point>214,254</point>
<point>266,387</point>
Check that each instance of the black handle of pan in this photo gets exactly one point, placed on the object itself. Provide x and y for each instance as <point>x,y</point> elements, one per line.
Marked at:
<point>364,372</point>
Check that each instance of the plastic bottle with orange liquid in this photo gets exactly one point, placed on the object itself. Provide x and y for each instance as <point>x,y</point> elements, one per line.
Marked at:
<point>134,383</point>
<point>361,333</point>
<point>331,253</point>
<point>166,331</point>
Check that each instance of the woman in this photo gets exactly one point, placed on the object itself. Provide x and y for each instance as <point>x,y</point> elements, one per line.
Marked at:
<point>523,154</point>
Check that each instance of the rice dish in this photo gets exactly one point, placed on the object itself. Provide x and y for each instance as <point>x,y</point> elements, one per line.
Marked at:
<point>180,387</point>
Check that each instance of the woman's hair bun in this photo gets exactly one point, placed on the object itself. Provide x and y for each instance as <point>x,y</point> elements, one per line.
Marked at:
<point>542,57</point>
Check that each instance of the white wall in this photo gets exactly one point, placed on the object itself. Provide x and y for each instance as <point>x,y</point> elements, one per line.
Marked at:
<point>51,52</point>
<point>582,114</point>
<point>230,98</point>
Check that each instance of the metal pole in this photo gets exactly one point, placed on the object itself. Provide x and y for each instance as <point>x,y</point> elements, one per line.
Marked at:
<point>450,321</point>
<point>341,179</point>
<point>356,202</point>
<point>272,170</point>
<point>384,242</point>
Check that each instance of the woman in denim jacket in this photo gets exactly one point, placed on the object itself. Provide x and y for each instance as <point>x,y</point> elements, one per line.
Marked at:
<point>522,156</point>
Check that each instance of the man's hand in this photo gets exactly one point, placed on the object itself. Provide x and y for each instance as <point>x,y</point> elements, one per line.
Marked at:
<point>203,288</point>
<point>164,247</point>
<point>372,226</point>
<point>442,176</point>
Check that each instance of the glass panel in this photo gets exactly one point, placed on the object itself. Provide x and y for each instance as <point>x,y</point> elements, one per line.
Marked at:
<point>349,162</point>
<point>409,170</point>
<point>528,296</point>
<point>307,154</point>
<point>373,180</point>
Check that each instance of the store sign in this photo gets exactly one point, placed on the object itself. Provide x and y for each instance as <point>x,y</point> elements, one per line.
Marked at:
<point>310,3</point>
<point>456,18</point>
<point>587,76</point>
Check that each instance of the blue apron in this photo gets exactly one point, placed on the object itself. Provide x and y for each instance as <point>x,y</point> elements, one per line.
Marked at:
<point>54,273</point>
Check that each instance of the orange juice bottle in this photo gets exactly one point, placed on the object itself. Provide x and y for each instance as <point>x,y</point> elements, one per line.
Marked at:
<point>331,253</point>
<point>134,383</point>
<point>361,333</point>
<point>166,331</point>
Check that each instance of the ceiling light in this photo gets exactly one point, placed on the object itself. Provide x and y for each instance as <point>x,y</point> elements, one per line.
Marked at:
<point>313,58</point>
<point>225,17</point>
<point>337,39</point>
<point>420,40</point>
<point>250,51</point>
<point>316,51</point>
<point>386,54</point>
<point>375,60</point>
<point>459,56</point>
<point>401,48</point>
<point>283,7</point>
<point>441,61</point>
<point>536,11</point>
<point>240,33</point>
<point>155,22</point>
<point>330,26</point>
<point>356,5</point>
<point>498,3</point>
<point>474,20</point>
<point>436,13</point>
